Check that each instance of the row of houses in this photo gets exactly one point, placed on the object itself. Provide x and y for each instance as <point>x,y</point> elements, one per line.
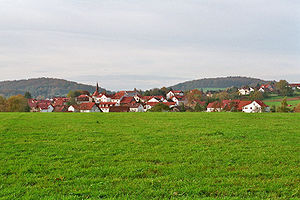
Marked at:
<point>262,88</point>
<point>132,101</point>
<point>256,106</point>
<point>123,101</point>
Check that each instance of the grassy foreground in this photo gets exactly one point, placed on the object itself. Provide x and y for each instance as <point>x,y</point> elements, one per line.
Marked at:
<point>149,155</point>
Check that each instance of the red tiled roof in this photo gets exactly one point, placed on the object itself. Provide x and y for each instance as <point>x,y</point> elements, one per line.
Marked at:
<point>127,100</point>
<point>135,105</point>
<point>119,109</point>
<point>261,103</point>
<point>60,109</point>
<point>86,106</point>
<point>96,93</point>
<point>166,103</point>
<point>119,95</point>
<point>242,104</point>
<point>214,104</point>
<point>43,106</point>
<point>295,85</point>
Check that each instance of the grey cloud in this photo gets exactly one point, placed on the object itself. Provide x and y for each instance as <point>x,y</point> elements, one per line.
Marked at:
<point>137,38</point>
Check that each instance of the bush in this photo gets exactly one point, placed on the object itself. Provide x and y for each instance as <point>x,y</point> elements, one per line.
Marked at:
<point>160,107</point>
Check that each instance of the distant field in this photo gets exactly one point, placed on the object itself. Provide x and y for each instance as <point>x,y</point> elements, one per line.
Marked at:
<point>149,156</point>
<point>278,103</point>
<point>276,100</point>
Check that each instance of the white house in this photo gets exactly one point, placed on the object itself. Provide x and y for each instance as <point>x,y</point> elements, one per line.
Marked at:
<point>244,91</point>
<point>84,107</point>
<point>83,99</point>
<point>256,107</point>
<point>43,107</point>
<point>178,100</point>
<point>102,98</point>
<point>174,93</point>
<point>105,106</point>
<point>136,108</point>
<point>73,109</point>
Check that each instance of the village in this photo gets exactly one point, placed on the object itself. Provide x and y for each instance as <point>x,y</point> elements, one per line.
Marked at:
<point>173,101</point>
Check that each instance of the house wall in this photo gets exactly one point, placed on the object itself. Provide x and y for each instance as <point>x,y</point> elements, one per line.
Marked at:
<point>50,109</point>
<point>213,110</point>
<point>153,100</point>
<point>252,108</point>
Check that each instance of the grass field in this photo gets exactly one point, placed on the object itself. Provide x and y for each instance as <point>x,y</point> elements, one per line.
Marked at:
<point>276,100</point>
<point>149,156</point>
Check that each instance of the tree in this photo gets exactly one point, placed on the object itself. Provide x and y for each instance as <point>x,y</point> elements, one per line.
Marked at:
<point>3,104</point>
<point>283,88</point>
<point>273,108</point>
<point>193,96</point>
<point>160,107</point>
<point>222,95</point>
<point>27,95</point>
<point>17,104</point>
<point>199,108</point>
<point>297,109</point>
<point>284,106</point>
<point>256,95</point>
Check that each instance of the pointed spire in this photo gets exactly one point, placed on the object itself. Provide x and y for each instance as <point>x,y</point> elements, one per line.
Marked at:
<point>97,87</point>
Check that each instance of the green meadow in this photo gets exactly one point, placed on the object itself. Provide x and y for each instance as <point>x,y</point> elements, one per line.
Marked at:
<point>149,156</point>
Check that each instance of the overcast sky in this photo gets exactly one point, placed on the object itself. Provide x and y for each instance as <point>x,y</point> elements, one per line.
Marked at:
<point>145,44</point>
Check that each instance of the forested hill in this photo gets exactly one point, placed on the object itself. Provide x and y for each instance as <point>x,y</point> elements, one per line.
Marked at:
<point>46,87</point>
<point>222,82</point>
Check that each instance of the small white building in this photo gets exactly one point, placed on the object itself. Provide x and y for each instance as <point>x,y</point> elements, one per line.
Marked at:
<point>256,107</point>
<point>244,91</point>
<point>136,108</point>
<point>46,107</point>
<point>174,93</point>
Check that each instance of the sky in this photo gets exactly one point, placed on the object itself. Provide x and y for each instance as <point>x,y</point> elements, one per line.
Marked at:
<point>145,44</point>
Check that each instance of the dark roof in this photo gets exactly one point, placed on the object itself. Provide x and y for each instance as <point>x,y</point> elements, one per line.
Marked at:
<point>119,109</point>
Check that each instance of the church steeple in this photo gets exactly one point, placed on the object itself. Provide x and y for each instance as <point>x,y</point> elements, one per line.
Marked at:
<point>96,93</point>
<point>97,87</point>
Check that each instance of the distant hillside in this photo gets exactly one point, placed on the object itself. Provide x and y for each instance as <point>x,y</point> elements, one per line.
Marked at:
<point>222,82</point>
<point>46,87</point>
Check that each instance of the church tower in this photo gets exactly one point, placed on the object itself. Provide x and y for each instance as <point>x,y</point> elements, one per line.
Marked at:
<point>96,93</point>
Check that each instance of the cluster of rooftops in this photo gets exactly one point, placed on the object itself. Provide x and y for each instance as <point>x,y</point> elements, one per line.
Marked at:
<point>132,101</point>
<point>123,101</point>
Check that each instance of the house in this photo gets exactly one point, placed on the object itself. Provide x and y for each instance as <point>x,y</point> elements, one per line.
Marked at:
<point>150,105</point>
<point>295,86</point>
<point>45,107</point>
<point>226,105</point>
<point>214,107</point>
<point>60,101</point>
<point>83,99</point>
<point>88,107</point>
<point>138,98</point>
<point>126,101</point>
<point>103,98</point>
<point>96,93</point>
<point>244,91</point>
<point>136,108</point>
<point>32,103</point>
<point>60,108</point>
<point>73,108</point>
<point>157,99</point>
<point>178,99</point>
<point>256,106</point>
<point>105,106</point>
<point>266,87</point>
<point>172,93</point>
<point>119,109</point>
